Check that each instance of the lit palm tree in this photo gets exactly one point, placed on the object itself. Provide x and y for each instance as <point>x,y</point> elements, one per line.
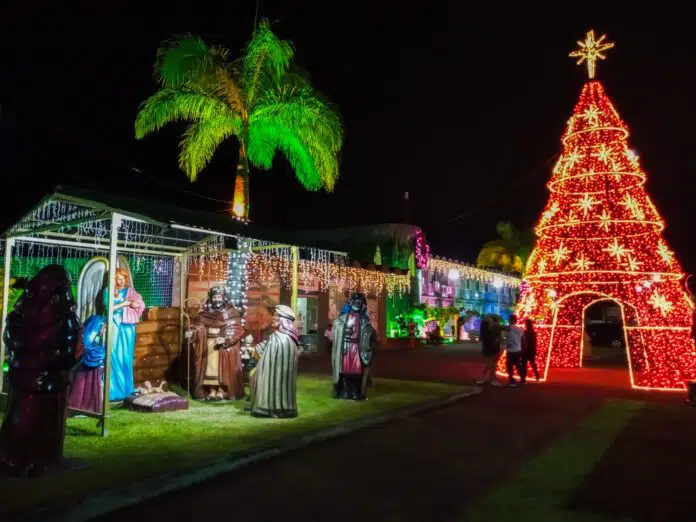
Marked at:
<point>259,99</point>
<point>510,252</point>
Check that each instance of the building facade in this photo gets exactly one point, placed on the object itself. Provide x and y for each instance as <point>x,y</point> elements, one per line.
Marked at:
<point>448,298</point>
<point>449,283</point>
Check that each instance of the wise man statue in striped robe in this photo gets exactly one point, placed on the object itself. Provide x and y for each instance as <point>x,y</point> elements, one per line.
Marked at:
<point>274,383</point>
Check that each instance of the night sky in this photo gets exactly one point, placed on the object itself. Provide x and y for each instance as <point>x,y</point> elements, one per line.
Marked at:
<point>463,108</point>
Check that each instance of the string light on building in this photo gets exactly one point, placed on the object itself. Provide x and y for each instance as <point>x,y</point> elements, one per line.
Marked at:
<point>444,266</point>
<point>325,274</point>
<point>600,239</point>
<point>208,260</point>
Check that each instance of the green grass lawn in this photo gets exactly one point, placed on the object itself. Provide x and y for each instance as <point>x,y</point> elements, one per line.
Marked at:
<point>143,444</point>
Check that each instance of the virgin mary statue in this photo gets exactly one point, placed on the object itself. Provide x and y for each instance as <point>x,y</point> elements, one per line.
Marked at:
<point>128,309</point>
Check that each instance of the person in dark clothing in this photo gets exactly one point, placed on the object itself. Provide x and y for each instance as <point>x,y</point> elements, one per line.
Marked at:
<point>490,341</point>
<point>529,346</point>
<point>328,335</point>
<point>514,352</point>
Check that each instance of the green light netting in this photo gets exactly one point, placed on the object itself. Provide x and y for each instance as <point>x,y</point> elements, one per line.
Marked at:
<point>152,278</point>
<point>30,266</point>
<point>152,275</point>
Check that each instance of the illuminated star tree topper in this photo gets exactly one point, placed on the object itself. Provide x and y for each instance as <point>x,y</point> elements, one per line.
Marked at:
<point>590,51</point>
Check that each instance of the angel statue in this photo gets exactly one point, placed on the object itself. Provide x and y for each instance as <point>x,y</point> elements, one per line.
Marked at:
<point>92,299</point>
<point>91,284</point>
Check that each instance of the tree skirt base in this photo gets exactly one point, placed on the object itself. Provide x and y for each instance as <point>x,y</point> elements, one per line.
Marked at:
<point>156,403</point>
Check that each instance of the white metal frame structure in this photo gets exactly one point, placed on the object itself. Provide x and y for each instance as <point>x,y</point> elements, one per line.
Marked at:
<point>72,230</point>
<point>176,241</point>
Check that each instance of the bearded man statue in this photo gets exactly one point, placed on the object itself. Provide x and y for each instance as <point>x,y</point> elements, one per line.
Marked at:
<point>215,336</point>
<point>355,341</point>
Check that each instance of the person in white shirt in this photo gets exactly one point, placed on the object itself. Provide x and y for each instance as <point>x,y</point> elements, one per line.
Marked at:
<point>514,351</point>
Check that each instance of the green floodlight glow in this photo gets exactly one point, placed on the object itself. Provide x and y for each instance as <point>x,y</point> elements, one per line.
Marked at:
<point>418,315</point>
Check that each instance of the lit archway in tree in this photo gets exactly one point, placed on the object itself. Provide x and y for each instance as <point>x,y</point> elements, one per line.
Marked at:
<point>600,238</point>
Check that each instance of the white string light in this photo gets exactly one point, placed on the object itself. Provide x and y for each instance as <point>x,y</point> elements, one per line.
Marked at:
<point>237,278</point>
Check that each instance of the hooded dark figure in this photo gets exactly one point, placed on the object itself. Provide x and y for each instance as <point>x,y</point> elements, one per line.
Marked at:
<point>42,336</point>
<point>355,341</point>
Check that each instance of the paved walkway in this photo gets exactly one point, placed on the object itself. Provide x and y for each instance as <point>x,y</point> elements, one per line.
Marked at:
<point>447,465</point>
<point>462,364</point>
<point>425,468</point>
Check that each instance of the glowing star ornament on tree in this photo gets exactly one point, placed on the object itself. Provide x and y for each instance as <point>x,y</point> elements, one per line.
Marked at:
<point>591,50</point>
<point>600,239</point>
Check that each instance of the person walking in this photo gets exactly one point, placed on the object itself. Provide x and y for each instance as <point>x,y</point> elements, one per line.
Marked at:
<point>490,347</point>
<point>514,352</point>
<point>329,336</point>
<point>529,346</point>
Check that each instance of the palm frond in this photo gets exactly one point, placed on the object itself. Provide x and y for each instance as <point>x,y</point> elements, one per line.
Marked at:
<point>265,60</point>
<point>201,140</point>
<point>508,232</point>
<point>313,122</point>
<point>492,251</point>
<point>523,251</point>
<point>265,137</point>
<point>297,77</point>
<point>171,105</point>
<point>258,98</point>
<point>184,59</point>
<point>226,84</point>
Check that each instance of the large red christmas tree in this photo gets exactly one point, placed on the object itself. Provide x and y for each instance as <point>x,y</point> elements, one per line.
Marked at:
<point>600,239</point>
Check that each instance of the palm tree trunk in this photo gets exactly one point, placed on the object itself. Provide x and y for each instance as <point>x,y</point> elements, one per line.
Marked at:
<point>240,202</point>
